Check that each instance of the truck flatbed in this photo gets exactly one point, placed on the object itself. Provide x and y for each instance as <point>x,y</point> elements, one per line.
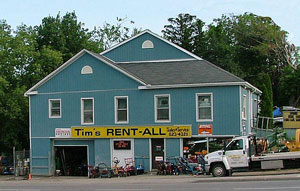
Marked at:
<point>276,156</point>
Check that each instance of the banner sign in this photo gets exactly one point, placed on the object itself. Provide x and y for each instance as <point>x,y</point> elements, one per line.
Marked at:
<point>63,132</point>
<point>291,119</point>
<point>180,131</point>
<point>205,129</point>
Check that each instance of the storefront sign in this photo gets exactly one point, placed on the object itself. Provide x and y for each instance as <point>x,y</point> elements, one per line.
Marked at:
<point>205,129</point>
<point>122,145</point>
<point>159,158</point>
<point>291,119</point>
<point>182,131</point>
<point>63,132</point>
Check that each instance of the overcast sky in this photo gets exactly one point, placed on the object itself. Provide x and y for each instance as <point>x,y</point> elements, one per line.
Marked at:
<point>151,14</point>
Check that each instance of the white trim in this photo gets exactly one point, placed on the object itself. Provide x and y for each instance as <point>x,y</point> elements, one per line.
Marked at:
<point>87,91</point>
<point>81,109</point>
<point>250,111</point>
<point>199,85</point>
<point>212,107</point>
<point>155,108</point>
<point>116,110</point>
<point>151,61</point>
<point>30,142</point>
<point>181,147</point>
<point>50,107</point>
<point>253,88</point>
<point>150,154</point>
<point>240,113</point>
<point>155,35</point>
<point>165,149</point>
<point>70,61</point>
<point>191,85</point>
<point>244,99</point>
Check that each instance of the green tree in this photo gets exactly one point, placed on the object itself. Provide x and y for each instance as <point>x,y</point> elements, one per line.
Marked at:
<point>186,31</point>
<point>65,34</point>
<point>110,34</point>
<point>289,87</point>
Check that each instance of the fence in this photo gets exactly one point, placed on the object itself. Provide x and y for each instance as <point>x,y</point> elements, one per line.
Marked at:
<point>21,162</point>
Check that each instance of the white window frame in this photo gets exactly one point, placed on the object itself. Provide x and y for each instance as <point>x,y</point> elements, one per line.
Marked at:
<point>82,112</point>
<point>50,107</point>
<point>116,110</point>
<point>244,107</point>
<point>212,107</point>
<point>155,108</point>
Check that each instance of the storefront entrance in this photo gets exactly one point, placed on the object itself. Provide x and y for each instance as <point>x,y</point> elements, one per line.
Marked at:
<point>157,147</point>
<point>122,150</point>
<point>71,160</point>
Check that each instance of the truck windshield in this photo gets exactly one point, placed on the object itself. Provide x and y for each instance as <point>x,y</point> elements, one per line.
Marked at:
<point>235,145</point>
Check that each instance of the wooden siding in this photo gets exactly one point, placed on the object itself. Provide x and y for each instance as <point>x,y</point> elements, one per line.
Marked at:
<point>104,77</point>
<point>132,51</point>
<point>141,109</point>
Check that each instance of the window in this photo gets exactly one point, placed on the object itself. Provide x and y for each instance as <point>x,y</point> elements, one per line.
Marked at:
<point>54,108</point>
<point>87,110</point>
<point>204,106</point>
<point>244,107</point>
<point>121,109</point>
<point>162,108</point>
<point>147,44</point>
<point>86,70</point>
<point>235,145</point>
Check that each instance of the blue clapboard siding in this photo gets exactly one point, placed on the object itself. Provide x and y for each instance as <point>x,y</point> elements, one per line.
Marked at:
<point>40,153</point>
<point>102,151</point>
<point>141,109</point>
<point>104,77</point>
<point>132,51</point>
<point>172,148</point>
<point>142,153</point>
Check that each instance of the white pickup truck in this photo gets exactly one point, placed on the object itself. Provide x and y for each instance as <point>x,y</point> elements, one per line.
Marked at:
<point>241,155</point>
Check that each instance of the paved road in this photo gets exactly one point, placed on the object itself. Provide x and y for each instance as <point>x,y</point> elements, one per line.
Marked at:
<point>147,184</point>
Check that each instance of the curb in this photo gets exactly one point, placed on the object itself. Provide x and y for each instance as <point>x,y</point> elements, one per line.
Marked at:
<point>249,178</point>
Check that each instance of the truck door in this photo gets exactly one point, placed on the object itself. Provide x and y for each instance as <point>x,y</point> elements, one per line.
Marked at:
<point>236,154</point>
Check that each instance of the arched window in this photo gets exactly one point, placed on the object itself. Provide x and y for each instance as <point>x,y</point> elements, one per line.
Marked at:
<point>86,70</point>
<point>147,44</point>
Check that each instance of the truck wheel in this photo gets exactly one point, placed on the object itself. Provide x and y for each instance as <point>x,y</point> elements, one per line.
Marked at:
<point>218,170</point>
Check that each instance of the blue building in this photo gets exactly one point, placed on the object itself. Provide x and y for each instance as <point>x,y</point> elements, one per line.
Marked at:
<point>139,99</point>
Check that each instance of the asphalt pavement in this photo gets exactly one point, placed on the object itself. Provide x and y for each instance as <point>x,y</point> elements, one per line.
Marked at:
<point>270,175</point>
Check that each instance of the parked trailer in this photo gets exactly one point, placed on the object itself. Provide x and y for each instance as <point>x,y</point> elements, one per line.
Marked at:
<point>241,154</point>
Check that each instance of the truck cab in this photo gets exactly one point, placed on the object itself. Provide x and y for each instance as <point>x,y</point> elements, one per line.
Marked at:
<point>236,154</point>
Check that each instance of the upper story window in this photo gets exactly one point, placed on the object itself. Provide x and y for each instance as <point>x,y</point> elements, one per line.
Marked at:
<point>87,110</point>
<point>244,110</point>
<point>204,107</point>
<point>86,70</point>
<point>162,108</point>
<point>121,109</point>
<point>54,108</point>
<point>147,44</point>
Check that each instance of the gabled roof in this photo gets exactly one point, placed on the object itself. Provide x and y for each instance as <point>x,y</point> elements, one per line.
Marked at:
<point>73,59</point>
<point>155,35</point>
<point>161,73</point>
<point>179,72</point>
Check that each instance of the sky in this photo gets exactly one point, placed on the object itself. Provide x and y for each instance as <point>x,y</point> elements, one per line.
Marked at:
<point>151,14</point>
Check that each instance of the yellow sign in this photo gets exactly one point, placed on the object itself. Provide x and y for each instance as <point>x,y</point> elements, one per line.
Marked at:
<point>181,131</point>
<point>291,119</point>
